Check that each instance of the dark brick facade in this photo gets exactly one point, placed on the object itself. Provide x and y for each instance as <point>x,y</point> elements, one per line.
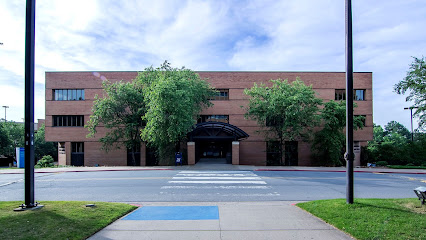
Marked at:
<point>252,151</point>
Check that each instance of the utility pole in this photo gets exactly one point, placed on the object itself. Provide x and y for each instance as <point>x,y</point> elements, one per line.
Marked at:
<point>29,108</point>
<point>412,132</point>
<point>5,107</point>
<point>349,156</point>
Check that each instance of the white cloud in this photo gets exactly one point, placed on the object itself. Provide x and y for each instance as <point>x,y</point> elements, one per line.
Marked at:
<point>290,35</point>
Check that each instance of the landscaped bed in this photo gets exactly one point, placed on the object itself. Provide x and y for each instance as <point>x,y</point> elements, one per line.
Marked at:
<point>373,218</point>
<point>58,220</point>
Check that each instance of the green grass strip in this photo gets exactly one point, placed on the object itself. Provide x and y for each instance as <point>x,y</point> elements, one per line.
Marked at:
<point>405,167</point>
<point>58,220</point>
<point>373,218</point>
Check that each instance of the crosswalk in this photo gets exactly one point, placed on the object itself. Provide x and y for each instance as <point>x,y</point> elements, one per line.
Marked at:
<point>223,183</point>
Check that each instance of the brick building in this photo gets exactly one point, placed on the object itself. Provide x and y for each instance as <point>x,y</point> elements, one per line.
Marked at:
<point>222,130</point>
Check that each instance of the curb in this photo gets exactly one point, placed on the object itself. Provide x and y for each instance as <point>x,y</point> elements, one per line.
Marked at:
<point>89,170</point>
<point>357,171</point>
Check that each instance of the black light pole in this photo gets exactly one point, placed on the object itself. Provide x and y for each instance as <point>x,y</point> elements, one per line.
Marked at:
<point>29,107</point>
<point>349,156</point>
<point>412,132</point>
<point>5,107</point>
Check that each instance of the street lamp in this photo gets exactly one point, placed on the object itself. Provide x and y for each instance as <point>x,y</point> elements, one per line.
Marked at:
<point>5,107</point>
<point>411,110</point>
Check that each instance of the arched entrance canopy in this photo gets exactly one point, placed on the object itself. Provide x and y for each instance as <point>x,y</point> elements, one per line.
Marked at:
<point>216,131</point>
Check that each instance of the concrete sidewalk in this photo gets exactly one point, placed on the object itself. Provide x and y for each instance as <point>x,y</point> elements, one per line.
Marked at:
<point>216,167</point>
<point>235,220</point>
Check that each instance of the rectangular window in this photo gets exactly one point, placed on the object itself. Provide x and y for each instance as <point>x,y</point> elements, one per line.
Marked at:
<point>222,94</point>
<point>359,94</point>
<point>273,122</point>
<point>363,119</point>
<point>68,94</point>
<point>214,118</point>
<point>74,94</point>
<point>68,120</point>
<point>78,94</point>
<point>340,94</point>
<point>77,147</point>
<point>273,154</point>
<point>59,95</point>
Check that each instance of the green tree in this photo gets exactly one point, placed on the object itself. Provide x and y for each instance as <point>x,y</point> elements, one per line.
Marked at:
<point>286,111</point>
<point>41,147</point>
<point>329,143</point>
<point>120,111</point>
<point>5,141</point>
<point>415,84</point>
<point>174,99</point>
<point>15,132</point>
<point>396,127</point>
<point>390,144</point>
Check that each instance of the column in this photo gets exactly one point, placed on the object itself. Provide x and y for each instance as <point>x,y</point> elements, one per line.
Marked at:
<point>62,157</point>
<point>68,153</point>
<point>143,153</point>
<point>191,153</point>
<point>235,153</point>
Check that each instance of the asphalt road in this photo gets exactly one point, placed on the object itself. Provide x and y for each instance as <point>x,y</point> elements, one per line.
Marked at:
<point>200,186</point>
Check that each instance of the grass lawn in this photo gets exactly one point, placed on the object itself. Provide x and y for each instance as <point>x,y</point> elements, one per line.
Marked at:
<point>58,220</point>
<point>405,167</point>
<point>373,218</point>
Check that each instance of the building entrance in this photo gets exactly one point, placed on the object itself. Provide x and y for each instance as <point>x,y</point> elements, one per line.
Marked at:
<point>213,151</point>
<point>213,140</point>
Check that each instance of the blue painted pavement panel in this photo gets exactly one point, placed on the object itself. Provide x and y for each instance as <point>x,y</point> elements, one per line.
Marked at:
<point>174,213</point>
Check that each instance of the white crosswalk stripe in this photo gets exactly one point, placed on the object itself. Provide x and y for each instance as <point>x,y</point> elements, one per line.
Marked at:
<point>246,183</point>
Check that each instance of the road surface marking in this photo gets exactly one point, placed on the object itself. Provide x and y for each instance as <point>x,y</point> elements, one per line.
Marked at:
<point>220,182</point>
<point>224,178</point>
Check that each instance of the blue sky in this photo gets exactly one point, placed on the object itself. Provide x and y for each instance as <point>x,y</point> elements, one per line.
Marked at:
<point>290,35</point>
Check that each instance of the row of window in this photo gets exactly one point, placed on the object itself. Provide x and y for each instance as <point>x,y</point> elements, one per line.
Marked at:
<point>68,94</point>
<point>359,94</point>
<point>78,120</point>
<point>222,94</point>
<point>68,120</point>
<point>214,118</point>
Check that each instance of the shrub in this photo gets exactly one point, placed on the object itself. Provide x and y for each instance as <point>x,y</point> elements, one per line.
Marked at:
<point>382,163</point>
<point>45,161</point>
<point>410,164</point>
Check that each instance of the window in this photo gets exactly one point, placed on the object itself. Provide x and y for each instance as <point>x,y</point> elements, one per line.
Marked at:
<point>77,147</point>
<point>340,94</point>
<point>214,118</point>
<point>68,94</point>
<point>273,153</point>
<point>270,122</point>
<point>362,120</point>
<point>359,94</point>
<point>68,120</point>
<point>222,94</point>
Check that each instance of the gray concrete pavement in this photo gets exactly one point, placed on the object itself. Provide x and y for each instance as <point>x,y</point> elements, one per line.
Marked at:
<point>218,167</point>
<point>237,220</point>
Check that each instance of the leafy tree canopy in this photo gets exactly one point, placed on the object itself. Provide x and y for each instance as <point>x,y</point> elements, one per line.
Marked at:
<point>120,111</point>
<point>329,143</point>
<point>415,84</point>
<point>286,111</point>
<point>41,147</point>
<point>4,139</point>
<point>174,98</point>
<point>15,137</point>
<point>396,127</point>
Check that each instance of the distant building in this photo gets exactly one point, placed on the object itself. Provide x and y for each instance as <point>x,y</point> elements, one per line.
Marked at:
<point>221,131</point>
